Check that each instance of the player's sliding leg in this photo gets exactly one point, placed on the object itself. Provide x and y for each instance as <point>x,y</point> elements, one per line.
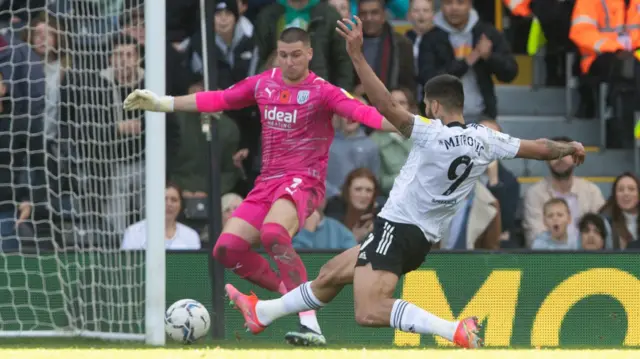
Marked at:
<point>392,250</point>
<point>233,250</point>
<point>375,307</point>
<point>280,225</point>
<point>333,276</point>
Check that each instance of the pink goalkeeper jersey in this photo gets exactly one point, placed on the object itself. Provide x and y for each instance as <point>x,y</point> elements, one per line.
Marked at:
<point>296,119</point>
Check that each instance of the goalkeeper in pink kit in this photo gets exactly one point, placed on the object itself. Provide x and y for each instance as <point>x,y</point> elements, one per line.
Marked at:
<point>296,109</point>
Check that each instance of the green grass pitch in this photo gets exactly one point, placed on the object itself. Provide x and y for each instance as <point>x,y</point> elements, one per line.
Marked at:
<point>63,348</point>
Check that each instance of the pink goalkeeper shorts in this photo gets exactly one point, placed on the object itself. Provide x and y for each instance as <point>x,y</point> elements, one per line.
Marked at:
<point>307,193</point>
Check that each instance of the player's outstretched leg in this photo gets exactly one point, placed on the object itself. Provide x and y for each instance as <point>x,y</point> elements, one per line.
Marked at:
<point>233,250</point>
<point>376,307</point>
<point>333,276</point>
<point>280,224</point>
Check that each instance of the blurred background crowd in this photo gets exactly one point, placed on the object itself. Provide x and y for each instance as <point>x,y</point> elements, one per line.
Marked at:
<point>72,162</point>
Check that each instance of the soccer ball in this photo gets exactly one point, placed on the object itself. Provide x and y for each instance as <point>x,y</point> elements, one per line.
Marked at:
<point>186,321</point>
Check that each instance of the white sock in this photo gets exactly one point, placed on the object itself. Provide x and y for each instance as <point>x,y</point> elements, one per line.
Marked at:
<point>298,300</point>
<point>410,318</point>
<point>309,320</point>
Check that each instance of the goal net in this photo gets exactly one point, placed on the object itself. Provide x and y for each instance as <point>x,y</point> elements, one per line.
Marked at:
<point>72,165</point>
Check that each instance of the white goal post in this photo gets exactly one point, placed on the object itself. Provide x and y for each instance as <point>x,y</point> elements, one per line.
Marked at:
<point>62,270</point>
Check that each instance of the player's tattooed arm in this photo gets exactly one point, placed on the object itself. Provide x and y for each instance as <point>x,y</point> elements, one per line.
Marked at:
<point>406,127</point>
<point>558,149</point>
<point>545,150</point>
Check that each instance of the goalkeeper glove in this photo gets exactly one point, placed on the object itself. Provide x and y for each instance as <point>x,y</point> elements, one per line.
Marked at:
<point>148,101</point>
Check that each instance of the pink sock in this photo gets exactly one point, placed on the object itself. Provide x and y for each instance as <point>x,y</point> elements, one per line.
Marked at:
<point>277,242</point>
<point>235,253</point>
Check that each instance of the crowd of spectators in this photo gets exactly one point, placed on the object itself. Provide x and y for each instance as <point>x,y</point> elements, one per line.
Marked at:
<point>72,161</point>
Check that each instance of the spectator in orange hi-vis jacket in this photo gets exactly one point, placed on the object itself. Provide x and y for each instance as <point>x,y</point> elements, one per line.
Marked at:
<point>607,33</point>
<point>518,7</point>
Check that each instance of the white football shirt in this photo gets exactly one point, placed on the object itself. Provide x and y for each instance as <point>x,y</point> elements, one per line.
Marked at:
<point>443,166</point>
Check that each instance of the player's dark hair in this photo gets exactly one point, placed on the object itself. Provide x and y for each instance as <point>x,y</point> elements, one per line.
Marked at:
<point>596,220</point>
<point>554,201</point>
<point>295,34</point>
<point>447,90</point>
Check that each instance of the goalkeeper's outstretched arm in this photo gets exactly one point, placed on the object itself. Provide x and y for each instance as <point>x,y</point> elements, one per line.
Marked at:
<point>235,97</point>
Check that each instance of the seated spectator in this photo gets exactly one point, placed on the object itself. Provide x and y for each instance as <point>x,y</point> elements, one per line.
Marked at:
<point>356,206</point>
<point>581,195</point>
<point>393,148</point>
<point>177,235</point>
<point>621,210</point>
<point>557,217</point>
<point>607,36</point>
<point>342,7</point>
<point>593,233</point>
<point>477,223</point>
<point>505,188</point>
<point>230,202</point>
<point>330,59</point>
<point>351,148</point>
<point>421,18</point>
<point>22,94</point>
<point>389,53</point>
<point>463,46</point>
<point>320,232</point>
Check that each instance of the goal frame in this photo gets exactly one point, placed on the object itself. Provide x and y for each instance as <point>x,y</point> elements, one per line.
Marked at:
<point>155,167</point>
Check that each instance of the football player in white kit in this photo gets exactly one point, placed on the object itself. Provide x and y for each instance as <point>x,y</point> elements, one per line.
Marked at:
<point>446,160</point>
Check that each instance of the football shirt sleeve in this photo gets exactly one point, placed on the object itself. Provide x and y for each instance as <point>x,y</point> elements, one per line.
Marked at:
<point>424,130</point>
<point>240,95</point>
<point>343,104</point>
<point>501,145</point>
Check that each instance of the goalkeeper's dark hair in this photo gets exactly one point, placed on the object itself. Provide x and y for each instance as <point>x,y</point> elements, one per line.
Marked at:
<point>447,90</point>
<point>295,34</point>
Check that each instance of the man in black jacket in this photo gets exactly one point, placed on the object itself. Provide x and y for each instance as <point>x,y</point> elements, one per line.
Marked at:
<point>463,46</point>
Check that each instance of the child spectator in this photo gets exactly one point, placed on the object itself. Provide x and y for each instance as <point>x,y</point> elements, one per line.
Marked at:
<point>557,218</point>
<point>592,232</point>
